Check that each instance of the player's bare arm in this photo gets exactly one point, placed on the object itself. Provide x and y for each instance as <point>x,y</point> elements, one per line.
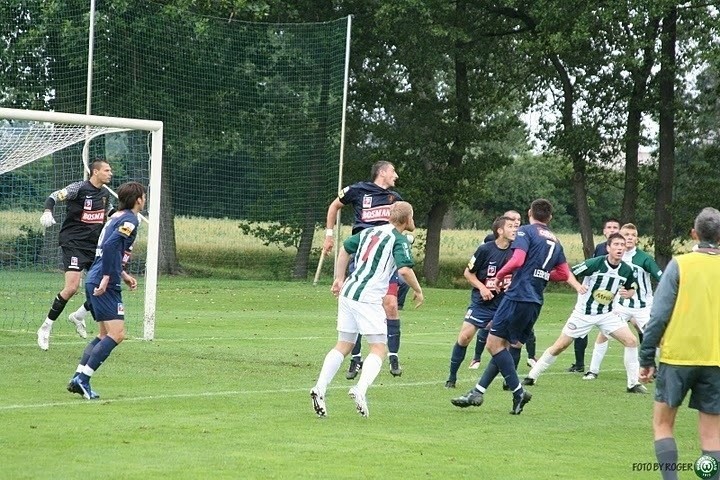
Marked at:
<point>340,271</point>
<point>129,280</point>
<point>100,289</point>
<point>329,241</point>
<point>409,276</point>
<point>485,292</point>
<point>574,283</point>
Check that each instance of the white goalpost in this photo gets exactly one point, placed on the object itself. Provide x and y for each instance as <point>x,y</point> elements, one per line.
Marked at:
<point>27,136</point>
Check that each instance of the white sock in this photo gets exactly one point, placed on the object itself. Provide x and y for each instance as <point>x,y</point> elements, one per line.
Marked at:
<point>632,365</point>
<point>599,351</point>
<point>47,324</point>
<point>80,312</point>
<point>371,369</point>
<point>87,371</point>
<point>330,367</point>
<point>542,364</point>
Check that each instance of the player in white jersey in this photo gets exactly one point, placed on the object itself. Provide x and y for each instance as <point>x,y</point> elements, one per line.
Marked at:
<point>635,309</point>
<point>379,251</point>
<point>603,278</point>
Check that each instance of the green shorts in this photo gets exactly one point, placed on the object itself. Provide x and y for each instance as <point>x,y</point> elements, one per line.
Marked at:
<point>674,381</point>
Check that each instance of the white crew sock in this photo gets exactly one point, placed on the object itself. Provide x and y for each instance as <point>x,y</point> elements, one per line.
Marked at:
<point>80,312</point>
<point>542,364</point>
<point>371,369</point>
<point>599,351</point>
<point>632,365</point>
<point>330,367</point>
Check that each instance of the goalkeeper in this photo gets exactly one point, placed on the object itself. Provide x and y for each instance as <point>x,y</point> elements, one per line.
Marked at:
<point>87,208</point>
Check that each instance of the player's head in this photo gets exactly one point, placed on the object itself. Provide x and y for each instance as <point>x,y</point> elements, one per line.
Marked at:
<point>616,246</point>
<point>131,195</point>
<point>540,210</point>
<point>401,215</point>
<point>514,215</point>
<point>383,173</point>
<point>707,226</point>
<point>630,232</point>
<point>100,171</point>
<point>505,227</point>
<point>611,225</point>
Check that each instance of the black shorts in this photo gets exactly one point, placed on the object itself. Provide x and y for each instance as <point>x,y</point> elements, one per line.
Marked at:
<point>76,259</point>
<point>514,321</point>
<point>674,381</point>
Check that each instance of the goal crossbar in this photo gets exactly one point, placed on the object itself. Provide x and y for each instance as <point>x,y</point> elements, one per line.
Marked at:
<point>156,130</point>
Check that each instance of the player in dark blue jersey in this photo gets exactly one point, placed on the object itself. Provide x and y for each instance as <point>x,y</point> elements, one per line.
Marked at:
<point>531,345</point>
<point>102,285</point>
<point>87,207</point>
<point>482,334</point>
<point>536,253</point>
<point>611,225</point>
<point>487,260</point>
<point>371,203</point>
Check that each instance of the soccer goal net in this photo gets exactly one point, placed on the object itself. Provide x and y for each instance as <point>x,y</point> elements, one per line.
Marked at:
<point>41,152</point>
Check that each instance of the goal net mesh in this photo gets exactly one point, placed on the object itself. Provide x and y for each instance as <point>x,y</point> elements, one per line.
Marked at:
<point>36,159</point>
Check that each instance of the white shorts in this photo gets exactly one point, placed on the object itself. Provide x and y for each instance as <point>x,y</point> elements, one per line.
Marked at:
<point>580,325</point>
<point>641,315</point>
<point>359,317</point>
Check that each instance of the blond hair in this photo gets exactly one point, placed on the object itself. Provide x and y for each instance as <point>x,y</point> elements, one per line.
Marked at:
<point>400,213</point>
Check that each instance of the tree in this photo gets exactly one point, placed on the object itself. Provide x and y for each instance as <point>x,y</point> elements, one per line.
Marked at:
<point>666,164</point>
<point>433,93</point>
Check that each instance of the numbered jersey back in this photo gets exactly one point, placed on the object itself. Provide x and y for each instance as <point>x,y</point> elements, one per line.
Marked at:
<point>543,253</point>
<point>379,251</point>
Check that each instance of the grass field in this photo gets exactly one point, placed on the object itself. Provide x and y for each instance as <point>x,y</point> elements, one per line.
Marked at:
<point>223,393</point>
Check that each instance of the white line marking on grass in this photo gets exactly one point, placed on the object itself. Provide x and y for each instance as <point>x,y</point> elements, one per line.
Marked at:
<point>387,384</point>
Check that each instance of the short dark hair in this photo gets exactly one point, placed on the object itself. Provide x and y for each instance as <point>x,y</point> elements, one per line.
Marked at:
<point>128,193</point>
<point>377,166</point>
<point>500,223</point>
<point>707,225</point>
<point>541,210</point>
<point>611,220</point>
<point>614,236</point>
<point>97,163</point>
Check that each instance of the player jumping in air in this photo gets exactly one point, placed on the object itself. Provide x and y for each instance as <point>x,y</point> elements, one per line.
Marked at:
<point>379,252</point>
<point>371,203</point>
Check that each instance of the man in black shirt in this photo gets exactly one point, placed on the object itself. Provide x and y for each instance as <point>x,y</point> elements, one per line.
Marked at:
<point>87,208</point>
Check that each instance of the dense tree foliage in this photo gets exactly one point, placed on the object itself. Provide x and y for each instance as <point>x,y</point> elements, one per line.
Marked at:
<point>439,88</point>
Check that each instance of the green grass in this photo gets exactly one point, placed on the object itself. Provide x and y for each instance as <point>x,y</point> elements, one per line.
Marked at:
<point>223,393</point>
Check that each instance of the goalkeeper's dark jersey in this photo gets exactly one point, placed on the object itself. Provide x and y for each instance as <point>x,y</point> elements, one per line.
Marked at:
<point>87,208</point>
<point>370,202</point>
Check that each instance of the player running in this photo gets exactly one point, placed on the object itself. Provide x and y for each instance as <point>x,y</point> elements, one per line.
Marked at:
<point>635,309</point>
<point>603,278</point>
